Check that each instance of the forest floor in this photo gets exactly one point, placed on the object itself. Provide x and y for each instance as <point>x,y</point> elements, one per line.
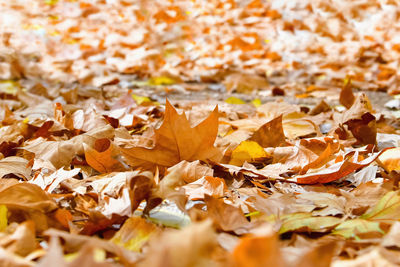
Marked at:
<point>199,133</point>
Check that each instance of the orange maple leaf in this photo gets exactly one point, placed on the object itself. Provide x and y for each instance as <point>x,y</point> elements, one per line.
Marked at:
<point>175,141</point>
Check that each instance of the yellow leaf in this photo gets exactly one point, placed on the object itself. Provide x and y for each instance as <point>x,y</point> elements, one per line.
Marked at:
<point>135,232</point>
<point>351,228</point>
<point>3,217</point>
<point>305,222</point>
<point>234,100</point>
<point>256,102</point>
<point>51,2</point>
<point>140,99</point>
<point>247,151</point>
<point>161,80</point>
<point>388,208</point>
<point>9,87</point>
<point>99,255</point>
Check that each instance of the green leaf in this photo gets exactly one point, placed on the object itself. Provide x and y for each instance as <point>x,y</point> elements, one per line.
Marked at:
<point>305,222</point>
<point>388,208</point>
<point>350,228</point>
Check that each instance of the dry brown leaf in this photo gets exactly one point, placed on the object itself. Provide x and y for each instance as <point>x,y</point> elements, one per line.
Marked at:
<point>192,246</point>
<point>270,134</point>
<point>347,97</point>
<point>101,156</point>
<point>175,140</point>
<point>60,153</point>
<point>337,170</point>
<point>22,241</point>
<point>225,216</point>
<point>254,251</point>
<point>208,185</point>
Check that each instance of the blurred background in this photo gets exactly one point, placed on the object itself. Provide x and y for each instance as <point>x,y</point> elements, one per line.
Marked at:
<point>305,46</point>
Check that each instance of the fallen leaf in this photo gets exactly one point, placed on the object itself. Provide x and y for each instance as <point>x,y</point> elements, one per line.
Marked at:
<point>337,170</point>
<point>100,157</point>
<point>247,151</point>
<point>175,140</point>
<point>225,216</point>
<point>321,256</point>
<point>134,233</point>
<point>193,246</point>
<point>22,241</point>
<point>357,228</point>
<point>390,159</point>
<point>305,222</point>
<point>387,209</point>
<point>254,251</point>
<point>208,185</point>
<point>270,134</point>
<point>347,97</point>
<point>15,165</point>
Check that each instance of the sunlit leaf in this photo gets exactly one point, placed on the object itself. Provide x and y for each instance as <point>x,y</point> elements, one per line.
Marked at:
<point>234,100</point>
<point>247,151</point>
<point>3,217</point>
<point>388,208</point>
<point>306,222</point>
<point>355,227</point>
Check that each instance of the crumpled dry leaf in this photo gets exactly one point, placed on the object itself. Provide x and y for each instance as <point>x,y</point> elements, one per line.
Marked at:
<point>337,170</point>
<point>225,216</point>
<point>360,121</point>
<point>15,165</point>
<point>193,246</point>
<point>22,241</point>
<point>74,243</point>
<point>60,153</point>
<point>208,185</point>
<point>101,156</point>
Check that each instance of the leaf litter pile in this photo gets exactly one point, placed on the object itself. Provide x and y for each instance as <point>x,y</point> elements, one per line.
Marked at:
<point>98,168</point>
